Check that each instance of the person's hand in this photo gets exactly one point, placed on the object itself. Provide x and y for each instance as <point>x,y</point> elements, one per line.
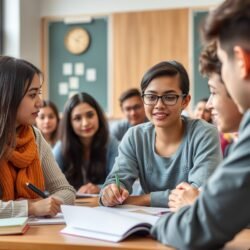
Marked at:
<point>89,188</point>
<point>183,195</point>
<point>45,207</point>
<point>111,195</point>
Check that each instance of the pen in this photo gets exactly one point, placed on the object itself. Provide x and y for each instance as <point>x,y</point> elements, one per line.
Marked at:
<point>117,181</point>
<point>36,190</point>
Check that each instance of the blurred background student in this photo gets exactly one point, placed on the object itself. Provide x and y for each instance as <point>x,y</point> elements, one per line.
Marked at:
<point>201,111</point>
<point>24,154</point>
<point>133,109</point>
<point>85,153</point>
<point>47,122</point>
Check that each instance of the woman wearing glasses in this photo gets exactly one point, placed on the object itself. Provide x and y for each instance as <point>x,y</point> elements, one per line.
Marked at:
<point>167,150</point>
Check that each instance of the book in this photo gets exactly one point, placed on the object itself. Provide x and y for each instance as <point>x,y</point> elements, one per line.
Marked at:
<point>82,195</point>
<point>108,225</point>
<point>56,220</point>
<point>156,211</point>
<point>16,225</point>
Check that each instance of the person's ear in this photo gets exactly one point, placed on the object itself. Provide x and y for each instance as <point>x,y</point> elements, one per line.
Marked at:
<point>243,61</point>
<point>186,101</point>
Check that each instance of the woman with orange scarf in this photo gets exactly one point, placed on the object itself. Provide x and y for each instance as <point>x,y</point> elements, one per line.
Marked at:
<point>24,154</point>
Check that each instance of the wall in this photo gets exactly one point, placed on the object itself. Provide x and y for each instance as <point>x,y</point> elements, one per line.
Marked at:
<point>65,7</point>
<point>142,39</point>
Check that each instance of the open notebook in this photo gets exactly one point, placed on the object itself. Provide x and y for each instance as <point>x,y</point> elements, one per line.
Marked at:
<point>105,224</point>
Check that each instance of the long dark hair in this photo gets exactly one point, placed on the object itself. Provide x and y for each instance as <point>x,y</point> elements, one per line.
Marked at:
<point>50,104</point>
<point>72,147</point>
<point>15,79</point>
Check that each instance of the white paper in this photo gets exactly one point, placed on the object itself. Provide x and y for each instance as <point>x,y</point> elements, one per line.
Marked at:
<point>73,82</point>
<point>79,69</point>
<point>102,224</point>
<point>81,195</point>
<point>58,219</point>
<point>67,69</point>
<point>63,88</point>
<point>91,75</point>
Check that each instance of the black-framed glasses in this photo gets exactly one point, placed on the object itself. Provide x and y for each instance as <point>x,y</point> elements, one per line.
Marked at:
<point>168,99</point>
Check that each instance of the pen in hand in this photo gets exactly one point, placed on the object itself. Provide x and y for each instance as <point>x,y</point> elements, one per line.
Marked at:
<point>117,181</point>
<point>36,190</point>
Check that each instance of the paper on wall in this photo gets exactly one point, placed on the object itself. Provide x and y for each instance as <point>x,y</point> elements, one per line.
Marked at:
<point>67,69</point>
<point>91,75</point>
<point>79,69</point>
<point>63,88</point>
<point>73,82</point>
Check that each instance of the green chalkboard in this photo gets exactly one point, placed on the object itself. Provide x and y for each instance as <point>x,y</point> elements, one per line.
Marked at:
<point>200,84</point>
<point>65,81</point>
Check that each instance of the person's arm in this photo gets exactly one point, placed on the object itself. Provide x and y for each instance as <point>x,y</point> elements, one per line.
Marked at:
<point>10,209</point>
<point>112,153</point>
<point>205,152</point>
<point>221,211</point>
<point>126,167</point>
<point>55,181</point>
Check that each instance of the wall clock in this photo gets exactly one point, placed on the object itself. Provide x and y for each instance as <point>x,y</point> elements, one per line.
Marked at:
<point>77,40</point>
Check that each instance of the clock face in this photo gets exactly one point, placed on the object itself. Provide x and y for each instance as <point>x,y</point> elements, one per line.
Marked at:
<point>77,40</point>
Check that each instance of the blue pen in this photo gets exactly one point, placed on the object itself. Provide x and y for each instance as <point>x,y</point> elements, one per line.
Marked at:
<point>36,190</point>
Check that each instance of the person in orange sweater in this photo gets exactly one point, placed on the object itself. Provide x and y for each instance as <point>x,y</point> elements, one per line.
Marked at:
<point>24,154</point>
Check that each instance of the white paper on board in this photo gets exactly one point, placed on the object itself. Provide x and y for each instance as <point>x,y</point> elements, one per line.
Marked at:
<point>79,69</point>
<point>63,88</point>
<point>67,69</point>
<point>73,82</point>
<point>91,75</point>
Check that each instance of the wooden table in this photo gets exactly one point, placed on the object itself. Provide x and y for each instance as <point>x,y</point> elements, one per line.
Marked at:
<point>49,238</point>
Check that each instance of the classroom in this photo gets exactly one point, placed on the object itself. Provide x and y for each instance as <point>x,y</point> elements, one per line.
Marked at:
<point>122,126</point>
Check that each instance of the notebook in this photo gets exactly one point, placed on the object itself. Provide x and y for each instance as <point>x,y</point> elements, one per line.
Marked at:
<point>13,225</point>
<point>103,224</point>
<point>82,195</point>
<point>56,220</point>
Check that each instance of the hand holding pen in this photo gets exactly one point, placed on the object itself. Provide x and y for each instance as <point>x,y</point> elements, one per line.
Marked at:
<point>114,194</point>
<point>48,206</point>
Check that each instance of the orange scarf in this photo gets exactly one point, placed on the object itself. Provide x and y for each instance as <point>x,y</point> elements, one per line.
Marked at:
<point>22,166</point>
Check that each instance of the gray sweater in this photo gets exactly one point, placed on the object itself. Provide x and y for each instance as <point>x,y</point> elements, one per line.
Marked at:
<point>193,162</point>
<point>223,207</point>
<point>55,182</point>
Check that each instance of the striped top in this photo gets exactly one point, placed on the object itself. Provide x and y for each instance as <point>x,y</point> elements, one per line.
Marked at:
<point>55,182</point>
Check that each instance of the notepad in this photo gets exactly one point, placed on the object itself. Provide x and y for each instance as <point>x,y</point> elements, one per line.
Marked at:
<point>105,225</point>
<point>13,225</point>
<point>56,220</point>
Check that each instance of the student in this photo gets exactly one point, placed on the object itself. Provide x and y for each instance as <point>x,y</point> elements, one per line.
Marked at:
<point>225,113</point>
<point>48,122</point>
<point>201,111</point>
<point>132,107</point>
<point>167,150</point>
<point>24,154</point>
<point>222,208</point>
<point>86,152</point>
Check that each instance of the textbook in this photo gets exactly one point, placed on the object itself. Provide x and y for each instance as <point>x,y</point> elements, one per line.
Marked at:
<point>107,225</point>
<point>13,225</point>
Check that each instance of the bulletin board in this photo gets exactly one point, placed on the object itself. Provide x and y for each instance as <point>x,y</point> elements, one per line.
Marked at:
<point>200,84</point>
<point>86,72</point>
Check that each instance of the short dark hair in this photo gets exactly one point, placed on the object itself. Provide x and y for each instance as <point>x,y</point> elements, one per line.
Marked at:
<point>16,76</point>
<point>230,24</point>
<point>128,94</point>
<point>209,61</point>
<point>73,149</point>
<point>167,68</point>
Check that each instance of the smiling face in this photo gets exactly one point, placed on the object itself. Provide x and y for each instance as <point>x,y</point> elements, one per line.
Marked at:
<point>46,120</point>
<point>162,115</point>
<point>84,121</point>
<point>31,103</point>
<point>225,113</point>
